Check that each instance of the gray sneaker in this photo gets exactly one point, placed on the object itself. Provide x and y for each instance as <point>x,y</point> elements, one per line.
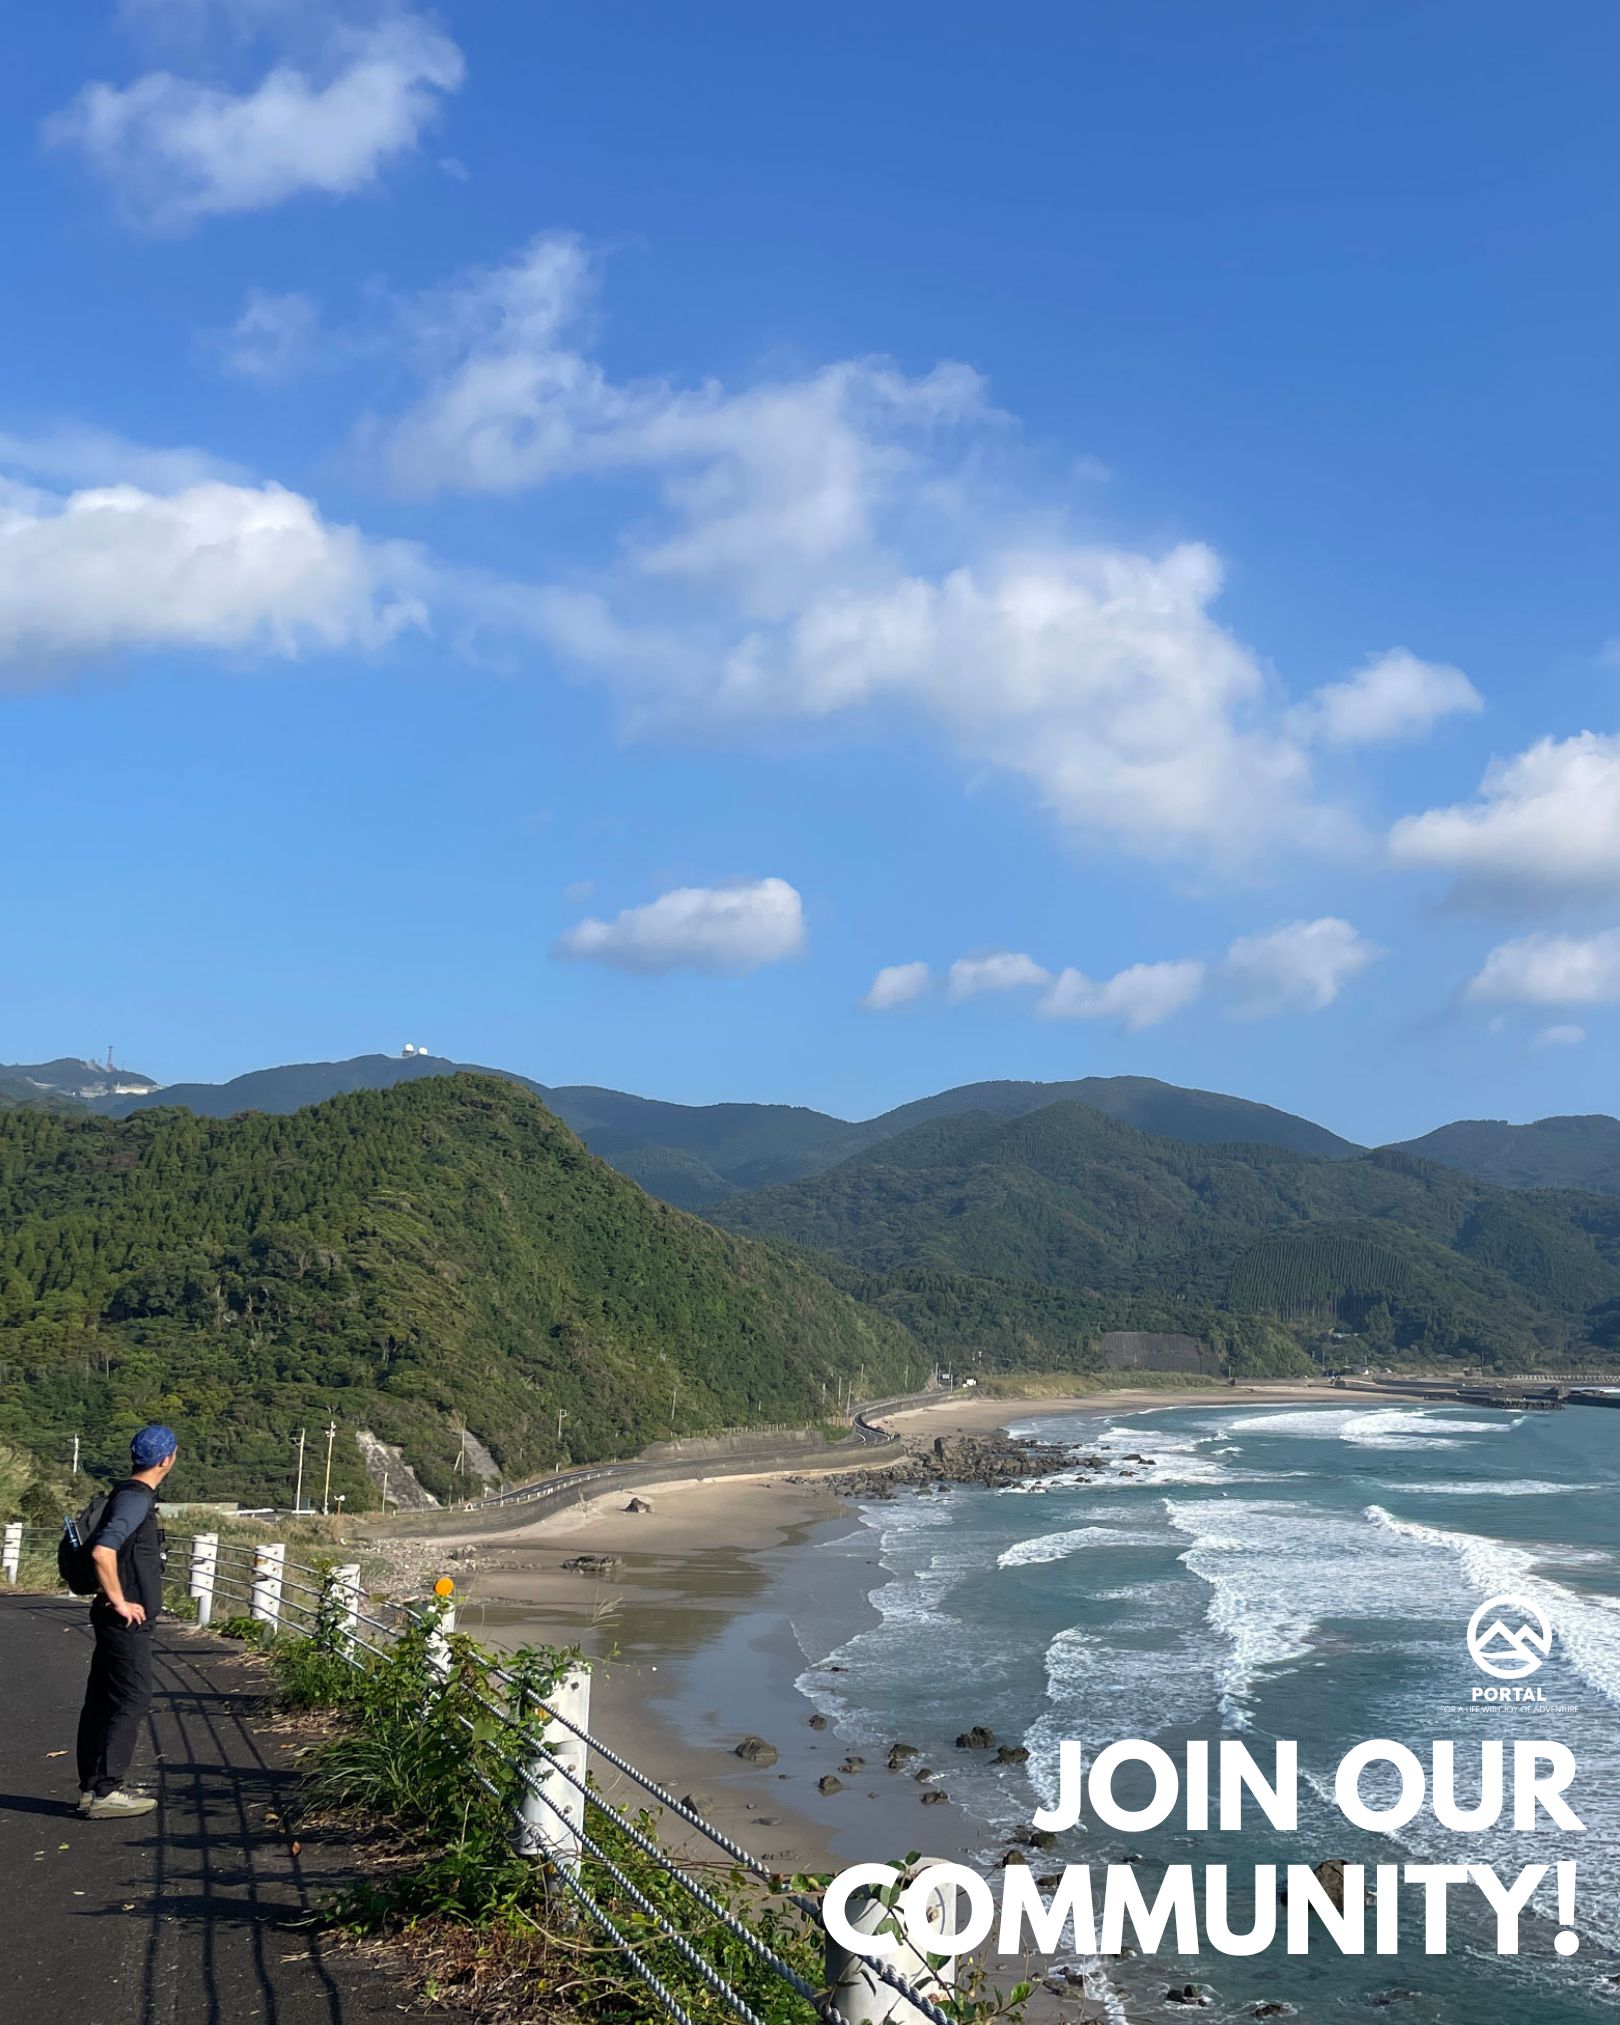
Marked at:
<point>119,1806</point>
<point>84,1801</point>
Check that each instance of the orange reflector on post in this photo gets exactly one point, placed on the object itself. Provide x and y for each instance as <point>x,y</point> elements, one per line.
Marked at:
<point>444,1586</point>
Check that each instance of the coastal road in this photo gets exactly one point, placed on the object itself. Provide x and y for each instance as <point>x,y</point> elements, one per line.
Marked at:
<point>191,1915</point>
<point>517,1505</point>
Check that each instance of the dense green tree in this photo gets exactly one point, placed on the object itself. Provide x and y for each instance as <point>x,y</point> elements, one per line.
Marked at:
<point>409,1261</point>
<point>1026,1237</point>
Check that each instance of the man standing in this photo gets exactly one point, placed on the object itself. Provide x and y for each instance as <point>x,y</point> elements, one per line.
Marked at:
<point>127,1555</point>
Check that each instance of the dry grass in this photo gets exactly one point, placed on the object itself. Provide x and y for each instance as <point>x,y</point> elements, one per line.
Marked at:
<point>1082,1384</point>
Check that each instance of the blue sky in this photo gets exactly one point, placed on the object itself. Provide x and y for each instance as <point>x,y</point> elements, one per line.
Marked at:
<point>817,558</point>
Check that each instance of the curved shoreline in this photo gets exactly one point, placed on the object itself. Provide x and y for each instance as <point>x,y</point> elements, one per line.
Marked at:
<point>692,1628</point>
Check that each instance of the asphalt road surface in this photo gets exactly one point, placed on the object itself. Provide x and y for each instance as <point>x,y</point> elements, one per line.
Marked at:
<point>190,1916</point>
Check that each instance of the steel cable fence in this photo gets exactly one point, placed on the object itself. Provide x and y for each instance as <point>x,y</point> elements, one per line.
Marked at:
<point>324,1604</point>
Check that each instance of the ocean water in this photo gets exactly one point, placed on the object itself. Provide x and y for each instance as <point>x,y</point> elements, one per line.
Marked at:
<point>1260,1572</point>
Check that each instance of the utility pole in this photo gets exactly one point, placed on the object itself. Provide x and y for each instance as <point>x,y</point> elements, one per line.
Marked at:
<point>326,1488</point>
<point>298,1488</point>
<point>561,1417</point>
<point>75,1455</point>
<point>385,1488</point>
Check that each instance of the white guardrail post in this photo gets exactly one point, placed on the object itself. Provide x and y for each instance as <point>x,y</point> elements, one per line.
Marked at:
<point>344,1590</point>
<point>204,1567</point>
<point>551,1811</point>
<point>859,1993</point>
<point>11,1552</point>
<point>269,1558</point>
<point>438,1641</point>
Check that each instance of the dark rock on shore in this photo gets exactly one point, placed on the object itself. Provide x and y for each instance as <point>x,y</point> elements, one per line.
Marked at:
<point>901,1755</point>
<point>989,1461</point>
<point>1012,1754</point>
<point>934,1799</point>
<point>817,1722</point>
<point>1189,1993</point>
<point>829,1783</point>
<point>592,1564</point>
<point>755,1751</point>
<point>980,1738</point>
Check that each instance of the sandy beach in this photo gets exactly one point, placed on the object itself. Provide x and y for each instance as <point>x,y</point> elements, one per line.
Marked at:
<point>692,1636</point>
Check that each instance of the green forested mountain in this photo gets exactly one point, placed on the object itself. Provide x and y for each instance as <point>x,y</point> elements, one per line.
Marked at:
<point>1022,1230</point>
<point>295,1085</point>
<point>1551,1153</point>
<point>697,1154</point>
<point>1201,1117</point>
<point>441,1254</point>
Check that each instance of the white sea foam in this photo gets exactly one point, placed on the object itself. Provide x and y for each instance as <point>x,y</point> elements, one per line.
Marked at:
<point>1384,1427</point>
<point>1587,1627</point>
<point>1161,1455</point>
<point>1491,1487</point>
<point>1277,1570</point>
<point>1059,1546</point>
<point>1135,1682</point>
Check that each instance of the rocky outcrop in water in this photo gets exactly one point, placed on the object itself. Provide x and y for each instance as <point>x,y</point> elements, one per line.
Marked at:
<point>990,1460</point>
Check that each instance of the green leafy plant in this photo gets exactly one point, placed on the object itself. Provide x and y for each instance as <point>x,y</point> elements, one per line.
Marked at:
<point>430,1747</point>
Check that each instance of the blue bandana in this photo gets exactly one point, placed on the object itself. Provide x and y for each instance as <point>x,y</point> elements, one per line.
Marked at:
<point>151,1445</point>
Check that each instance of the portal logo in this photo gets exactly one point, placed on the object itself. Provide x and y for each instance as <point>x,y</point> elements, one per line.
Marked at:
<point>1508,1638</point>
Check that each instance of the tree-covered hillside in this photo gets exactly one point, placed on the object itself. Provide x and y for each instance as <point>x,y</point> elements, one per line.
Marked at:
<point>409,1260</point>
<point>695,1155</point>
<point>1582,1152</point>
<point>1023,1231</point>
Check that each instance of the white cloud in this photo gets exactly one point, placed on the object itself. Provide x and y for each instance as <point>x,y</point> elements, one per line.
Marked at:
<point>1299,964</point>
<point>214,565</point>
<point>1002,970</point>
<point>897,984</point>
<point>274,337</point>
<point>1545,824</point>
<point>1559,1037</point>
<point>829,544</point>
<point>722,930</point>
<point>177,150</point>
<point>1138,997</point>
<point>1395,696</point>
<point>1549,969</point>
<point>1095,674</point>
<point>763,488</point>
<point>74,453</point>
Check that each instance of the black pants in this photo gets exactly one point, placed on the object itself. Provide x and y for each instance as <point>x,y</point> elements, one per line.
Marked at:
<point>115,1701</point>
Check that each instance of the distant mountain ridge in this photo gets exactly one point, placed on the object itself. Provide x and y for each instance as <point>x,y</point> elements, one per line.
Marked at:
<point>1061,1222</point>
<point>699,1155</point>
<point>696,1155</point>
<point>1575,1152</point>
<point>68,1080</point>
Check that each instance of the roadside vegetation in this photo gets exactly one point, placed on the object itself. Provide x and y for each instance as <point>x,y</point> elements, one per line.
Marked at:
<point>420,1769</point>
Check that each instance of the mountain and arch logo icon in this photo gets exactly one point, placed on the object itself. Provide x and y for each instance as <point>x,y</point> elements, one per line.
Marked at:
<point>1509,1638</point>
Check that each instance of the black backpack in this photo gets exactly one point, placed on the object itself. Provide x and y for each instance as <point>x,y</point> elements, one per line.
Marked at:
<point>73,1562</point>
